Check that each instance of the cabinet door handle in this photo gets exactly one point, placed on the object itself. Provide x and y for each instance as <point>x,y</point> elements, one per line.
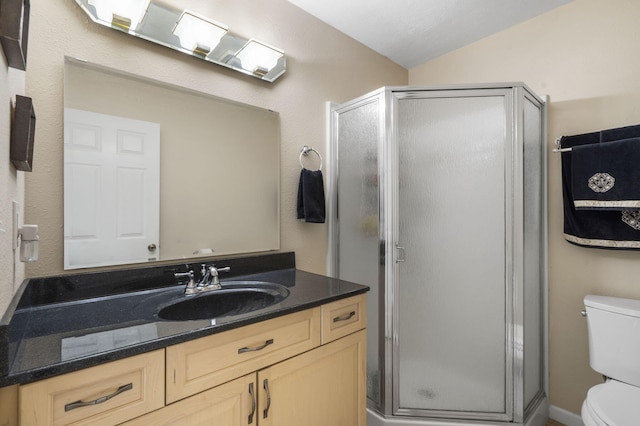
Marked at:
<point>257,348</point>
<point>253,403</point>
<point>265,413</point>
<point>80,403</point>
<point>345,317</point>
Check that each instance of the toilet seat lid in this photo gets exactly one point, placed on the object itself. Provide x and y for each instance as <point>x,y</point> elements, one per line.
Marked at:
<point>616,403</point>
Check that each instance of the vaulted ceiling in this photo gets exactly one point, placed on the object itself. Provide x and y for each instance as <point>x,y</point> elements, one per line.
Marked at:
<point>412,32</point>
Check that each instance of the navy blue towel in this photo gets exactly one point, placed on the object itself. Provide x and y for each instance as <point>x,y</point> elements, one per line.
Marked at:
<point>597,228</point>
<point>606,175</point>
<point>311,206</point>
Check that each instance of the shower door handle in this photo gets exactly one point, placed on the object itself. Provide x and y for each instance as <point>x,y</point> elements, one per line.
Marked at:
<point>400,254</point>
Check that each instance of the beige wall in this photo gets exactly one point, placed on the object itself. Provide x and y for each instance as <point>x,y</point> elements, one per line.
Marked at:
<point>585,57</point>
<point>11,185</point>
<point>323,65</point>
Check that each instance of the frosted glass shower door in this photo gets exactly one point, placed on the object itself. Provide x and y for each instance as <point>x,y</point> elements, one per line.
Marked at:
<point>450,346</point>
<point>359,133</point>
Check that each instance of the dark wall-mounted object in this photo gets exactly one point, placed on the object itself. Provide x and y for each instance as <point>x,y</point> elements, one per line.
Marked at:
<point>23,131</point>
<point>14,31</point>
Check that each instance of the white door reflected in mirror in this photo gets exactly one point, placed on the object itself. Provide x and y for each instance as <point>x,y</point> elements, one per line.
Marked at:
<point>112,189</point>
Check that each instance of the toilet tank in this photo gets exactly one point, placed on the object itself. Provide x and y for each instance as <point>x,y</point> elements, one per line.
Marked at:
<point>614,337</point>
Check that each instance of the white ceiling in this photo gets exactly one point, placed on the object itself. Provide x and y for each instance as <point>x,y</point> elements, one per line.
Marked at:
<point>412,32</point>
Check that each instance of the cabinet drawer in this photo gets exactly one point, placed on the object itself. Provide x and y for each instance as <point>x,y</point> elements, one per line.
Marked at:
<point>207,362</point>
<point>343,317</point>
<point>101,395</point>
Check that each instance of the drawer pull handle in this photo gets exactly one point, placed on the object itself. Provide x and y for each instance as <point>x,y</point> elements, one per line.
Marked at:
<point>78,404</point>
<point>265,413</point>
<point>253,403</point>
<point>345,317</point>
<point>257,348</point>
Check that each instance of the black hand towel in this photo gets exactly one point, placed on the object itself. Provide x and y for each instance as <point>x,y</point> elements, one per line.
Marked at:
<point>606,176</point>
<point>597,228</point>
<point>311,205</point>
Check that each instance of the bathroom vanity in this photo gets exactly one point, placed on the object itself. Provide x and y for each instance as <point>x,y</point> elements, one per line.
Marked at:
<point>84,358</point>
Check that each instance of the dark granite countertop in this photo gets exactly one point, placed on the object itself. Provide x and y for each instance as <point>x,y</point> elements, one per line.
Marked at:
<point>56,325</point>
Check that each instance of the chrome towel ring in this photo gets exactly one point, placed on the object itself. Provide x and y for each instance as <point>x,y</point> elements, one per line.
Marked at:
<point>305,151</point>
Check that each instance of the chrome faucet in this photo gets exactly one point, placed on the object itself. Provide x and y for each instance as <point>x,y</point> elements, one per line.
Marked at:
<point>191,287</point>
<point>210,280</point>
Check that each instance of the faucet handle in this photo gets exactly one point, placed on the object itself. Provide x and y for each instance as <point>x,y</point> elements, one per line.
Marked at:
<point>214,272</point>
<point>191,287</point>
<point>180,275</point>
<point>214,284</point>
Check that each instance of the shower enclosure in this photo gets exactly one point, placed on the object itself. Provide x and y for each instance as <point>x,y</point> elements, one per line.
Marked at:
<point>439,206</point>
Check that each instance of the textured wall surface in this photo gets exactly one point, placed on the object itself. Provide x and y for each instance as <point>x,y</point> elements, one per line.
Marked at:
<point>583,56</point>
<point>11,185</point>
<point>323,65</point>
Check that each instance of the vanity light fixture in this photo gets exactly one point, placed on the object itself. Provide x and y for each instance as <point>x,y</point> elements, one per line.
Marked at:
<point>258,57</point>
<point>197,33</point>
<point>122,14</point>
<point>190,33</point>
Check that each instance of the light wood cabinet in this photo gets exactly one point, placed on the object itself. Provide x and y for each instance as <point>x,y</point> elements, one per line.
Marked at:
<point>203,363</point>
<point>322,387</point>
<point>343,317</point>
<point>9,406</point>
<point>104,395</point>
<point>230,404</point>
<point>305,368</point>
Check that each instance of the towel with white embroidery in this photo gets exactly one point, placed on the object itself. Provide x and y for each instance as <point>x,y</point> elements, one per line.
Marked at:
<point>606,176</point>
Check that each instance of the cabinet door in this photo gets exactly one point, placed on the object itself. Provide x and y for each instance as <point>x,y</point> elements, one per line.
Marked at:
<point>231,404</point>
<point>325,386</point>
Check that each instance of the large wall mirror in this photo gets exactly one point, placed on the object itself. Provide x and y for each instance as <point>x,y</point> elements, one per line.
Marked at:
<point>156,172</point>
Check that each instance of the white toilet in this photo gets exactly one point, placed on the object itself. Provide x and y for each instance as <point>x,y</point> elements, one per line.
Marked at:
<point>614,351</point>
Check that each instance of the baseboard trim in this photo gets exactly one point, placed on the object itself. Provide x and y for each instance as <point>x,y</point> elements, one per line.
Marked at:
<point>565,417</point>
